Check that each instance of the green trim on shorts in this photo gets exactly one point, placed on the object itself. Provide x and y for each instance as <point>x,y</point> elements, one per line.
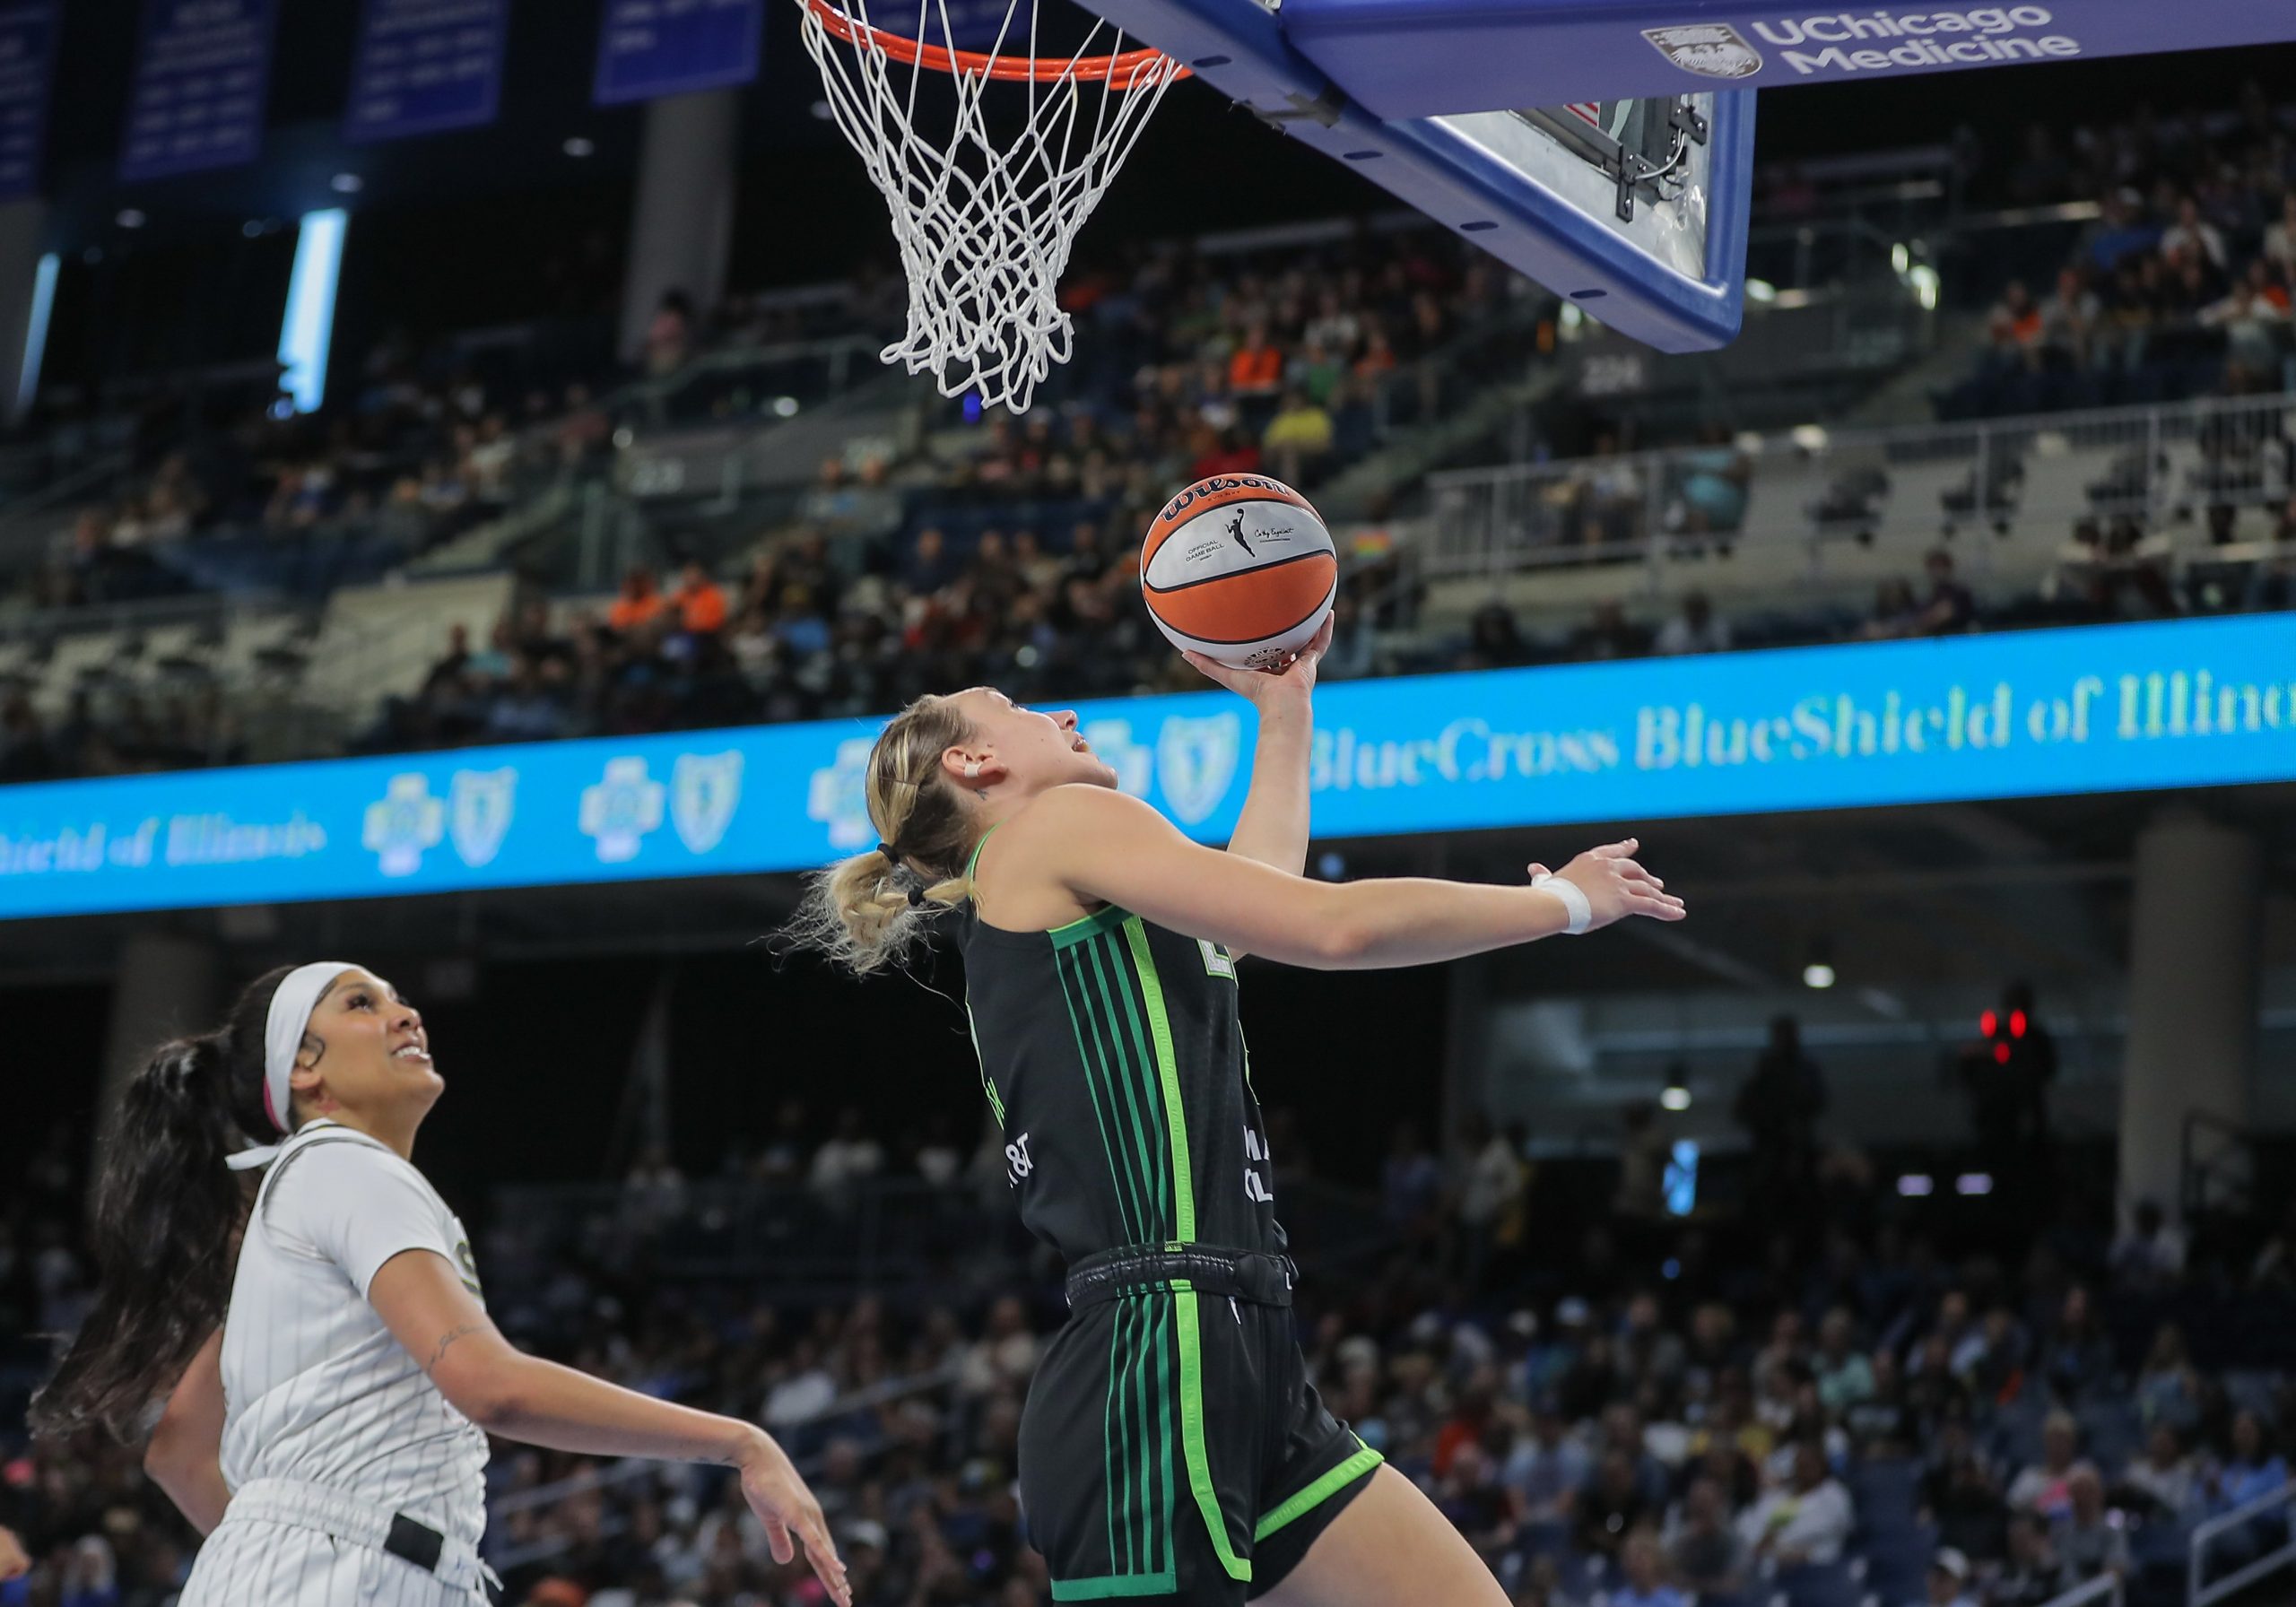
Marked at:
<point>1199,1463</point>
<point>1315,1495</point>
<point>1106,1586</point>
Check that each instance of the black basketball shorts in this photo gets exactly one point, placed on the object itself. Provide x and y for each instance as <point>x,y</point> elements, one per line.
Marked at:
<point>1172,1449</point>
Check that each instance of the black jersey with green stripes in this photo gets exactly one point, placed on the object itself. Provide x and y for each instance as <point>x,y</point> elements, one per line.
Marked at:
<point>1112,1057</point>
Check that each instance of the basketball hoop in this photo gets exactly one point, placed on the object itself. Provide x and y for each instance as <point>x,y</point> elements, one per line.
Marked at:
<point>984,224</point>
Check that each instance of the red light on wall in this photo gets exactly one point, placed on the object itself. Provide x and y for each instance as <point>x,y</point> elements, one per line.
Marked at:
<point>2001,1054</point>
<point>1988,1024</point>
<point>2016,1023</point>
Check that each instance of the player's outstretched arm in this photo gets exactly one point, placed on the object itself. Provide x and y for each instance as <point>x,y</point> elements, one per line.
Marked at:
<point>1273,828</point>
<point>1104,846</point>
<point>422,1299</point>
<point>185,1455</point>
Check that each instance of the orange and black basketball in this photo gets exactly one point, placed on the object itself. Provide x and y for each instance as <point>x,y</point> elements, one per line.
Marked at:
<point>1239,569</point>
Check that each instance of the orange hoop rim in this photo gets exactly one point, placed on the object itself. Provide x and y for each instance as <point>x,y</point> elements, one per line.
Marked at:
<point>1128,66</point>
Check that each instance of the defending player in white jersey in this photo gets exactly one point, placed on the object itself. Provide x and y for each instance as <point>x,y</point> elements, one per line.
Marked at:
<point>330,1372</point>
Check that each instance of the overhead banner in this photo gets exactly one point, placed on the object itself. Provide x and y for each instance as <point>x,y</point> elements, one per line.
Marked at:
<point>27,69</point>
<point>1401,58</point>
<point>203,69</point>
<point>425,66</point>
<point>650,49</point>
<point>2114,709</point>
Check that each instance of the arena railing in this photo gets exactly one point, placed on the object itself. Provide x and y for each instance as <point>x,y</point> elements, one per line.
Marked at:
<point>2108,1586</point>
<point>2137,479</point>
<point>2275,1536</point>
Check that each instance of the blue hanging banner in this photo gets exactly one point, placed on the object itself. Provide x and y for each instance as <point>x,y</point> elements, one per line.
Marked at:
<point>27,67</point>
<point>650,48</point>
<point>203,69</point>
<point>425,66</point>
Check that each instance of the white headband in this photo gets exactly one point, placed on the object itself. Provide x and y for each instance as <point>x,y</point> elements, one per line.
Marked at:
<point>289,1016</point>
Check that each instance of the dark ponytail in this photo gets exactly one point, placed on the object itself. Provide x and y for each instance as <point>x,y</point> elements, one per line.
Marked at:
<point>166,1226</point>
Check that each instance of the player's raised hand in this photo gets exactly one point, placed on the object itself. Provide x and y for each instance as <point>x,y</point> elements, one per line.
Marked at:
<point>792,1517</point>
<point>1294,677</point>
<point>1616,886</point>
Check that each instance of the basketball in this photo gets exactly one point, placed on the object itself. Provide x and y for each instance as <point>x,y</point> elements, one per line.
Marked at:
<point>1239,569</point>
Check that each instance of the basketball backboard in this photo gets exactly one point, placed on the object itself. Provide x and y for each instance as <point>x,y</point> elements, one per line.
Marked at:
<point>1635,210</point>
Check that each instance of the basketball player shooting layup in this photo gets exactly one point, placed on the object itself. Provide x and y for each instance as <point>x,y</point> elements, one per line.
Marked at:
<point>329,1436</point>
<point>1173,1448</point>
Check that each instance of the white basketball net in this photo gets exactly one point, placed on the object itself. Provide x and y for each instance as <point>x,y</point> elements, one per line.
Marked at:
<point>985,227</point>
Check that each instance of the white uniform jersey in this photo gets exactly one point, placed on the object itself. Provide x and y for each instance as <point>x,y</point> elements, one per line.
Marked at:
<point>316,1388</point>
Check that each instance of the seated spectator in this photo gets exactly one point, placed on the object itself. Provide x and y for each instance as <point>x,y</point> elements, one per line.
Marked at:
<point>1493,640</point>
<point>851,1154</point>
<point>1256,369</point>
<point>1881,1425</point>
<point>1703,1551</point>
<point>700,602</point>
<point>2166,1390</point>
<point>2013,327</point>
<point>1479,1506</point>
<point>1607,500</point>
<point>929,565</point>
<point>1716,475</point>
<point>1844,1377</point>
<point>2193,234</point>
<point>1547,1468</point>
<point>2087,1539</point>
<point>1960,1495</point>
<point>2163,1476</point>
<point>2120,234</point>
<point>639,602</point>
<point>1298,438</point>
<point>669,334</point>
<point>2044,1487</point>
<point>2069,319</point>
<point>2078,1358</point>
<point>2148,1256</point>
<point>1644,1584</point>
<point>2252,1469</point>
<point>1612,1505</point>
<point>1806,1520</point>
<point>1951,607</point>
<point>1607,635</point>
<point>1895,613</point>
<point>1949,1580</point>
<point>2028,1576</point>
<point>1695,629</point>
<point>2252,323</point>
<point>2279,242</point>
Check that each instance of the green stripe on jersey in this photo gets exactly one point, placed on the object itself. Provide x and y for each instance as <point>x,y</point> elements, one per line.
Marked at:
<point>1160,1029</point>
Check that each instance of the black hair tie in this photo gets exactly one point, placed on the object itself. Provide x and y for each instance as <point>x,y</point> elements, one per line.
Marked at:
<point>890,852</point>
<point>917,896</point>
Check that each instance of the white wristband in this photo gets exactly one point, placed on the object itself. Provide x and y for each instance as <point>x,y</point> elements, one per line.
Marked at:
<point>1574,899</point>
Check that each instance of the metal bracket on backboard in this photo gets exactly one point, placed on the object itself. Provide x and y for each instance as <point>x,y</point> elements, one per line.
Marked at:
<point>1322,109</point>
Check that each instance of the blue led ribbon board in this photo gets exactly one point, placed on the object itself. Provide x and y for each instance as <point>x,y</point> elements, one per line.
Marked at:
<point>2191,703</point>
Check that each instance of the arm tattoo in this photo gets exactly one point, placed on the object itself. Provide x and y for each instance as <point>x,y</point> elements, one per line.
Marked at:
<point>446,1339</point>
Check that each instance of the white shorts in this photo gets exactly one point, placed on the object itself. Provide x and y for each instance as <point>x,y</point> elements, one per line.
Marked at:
<point>275,1549</point>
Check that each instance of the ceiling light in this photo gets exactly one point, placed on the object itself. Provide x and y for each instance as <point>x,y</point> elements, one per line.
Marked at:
<point>348,184</point>
<point>579,146</point>
<point>129,218</point>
